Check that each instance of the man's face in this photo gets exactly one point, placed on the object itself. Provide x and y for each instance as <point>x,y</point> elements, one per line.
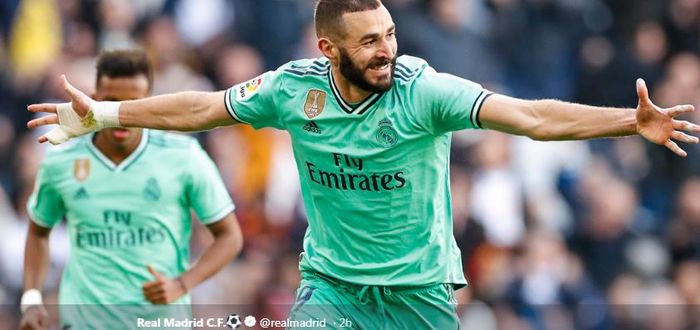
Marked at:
<point>122,89</point>
<point>368,49</point>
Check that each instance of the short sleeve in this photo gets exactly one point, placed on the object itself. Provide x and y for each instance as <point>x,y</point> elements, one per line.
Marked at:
<point>446,102</point>
<point>45,206</point>
<point>206,191</point>
<point>253,102</point>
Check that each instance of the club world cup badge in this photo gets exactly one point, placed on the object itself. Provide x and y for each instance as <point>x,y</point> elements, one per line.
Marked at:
<point>81,169</point>
<point>315,101</point>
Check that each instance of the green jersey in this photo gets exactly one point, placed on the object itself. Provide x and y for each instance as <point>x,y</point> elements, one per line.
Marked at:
<point>123,217</point>
<point>374,175</point>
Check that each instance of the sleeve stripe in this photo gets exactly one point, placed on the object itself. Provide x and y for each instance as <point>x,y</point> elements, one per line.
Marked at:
<point>405,69</point>
<point>229,107</point>
<point>218,215</point>
<point>34,218</point>
<point>476,108</point>
<point>478,111</point>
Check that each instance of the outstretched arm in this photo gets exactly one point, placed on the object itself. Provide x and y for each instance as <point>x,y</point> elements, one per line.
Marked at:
<point>555,120</point>
<point>184,111</point>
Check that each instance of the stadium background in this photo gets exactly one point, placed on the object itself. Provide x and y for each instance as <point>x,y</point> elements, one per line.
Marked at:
<point>585,235</point>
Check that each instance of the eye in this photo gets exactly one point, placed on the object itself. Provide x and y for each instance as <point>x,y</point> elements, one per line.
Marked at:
<point>369,42</point>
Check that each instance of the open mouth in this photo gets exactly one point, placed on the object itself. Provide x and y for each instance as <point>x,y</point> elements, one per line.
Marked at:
<point>381,67</point>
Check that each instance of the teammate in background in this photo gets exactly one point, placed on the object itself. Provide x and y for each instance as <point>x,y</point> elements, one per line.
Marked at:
<point>371,136</point>
<point>126,194</point>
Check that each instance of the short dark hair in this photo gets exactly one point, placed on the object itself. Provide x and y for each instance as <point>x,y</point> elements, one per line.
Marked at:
<point>329,13</point>
<point>124,63</point>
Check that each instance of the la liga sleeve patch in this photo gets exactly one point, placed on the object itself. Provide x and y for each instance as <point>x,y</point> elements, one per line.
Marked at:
<point>249,88</point>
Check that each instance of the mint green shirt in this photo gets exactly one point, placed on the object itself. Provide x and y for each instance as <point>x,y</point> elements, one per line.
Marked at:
<point>374,175</point>
<point>123,217</point>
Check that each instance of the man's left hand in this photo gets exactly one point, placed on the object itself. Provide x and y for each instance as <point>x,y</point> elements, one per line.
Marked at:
<point>162,290</point>
<point>659,125</point>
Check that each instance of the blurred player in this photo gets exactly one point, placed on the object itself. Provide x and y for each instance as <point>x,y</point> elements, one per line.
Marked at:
<point>371,136</point>
<point>126,194</point>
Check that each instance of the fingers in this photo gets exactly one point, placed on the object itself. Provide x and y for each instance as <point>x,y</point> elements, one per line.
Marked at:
<point>687,126</point>
<point>150,286</point>
<point>80,103</point>
<point>31,325</point>
<point>43,107</point>
<point>43,322</point>
<point>153,272</point>
<point>153,287</point>
<point>34,319</point>
<point>57,136</point>
<point>153,297</point>
<point>680,136</point>
<point>155,292</point>
<point>157,300</point>
<point>156,297</point>
<point>642,91</point>
<point>680,109</point>
<point>675,148</point>
<point>158,291</point>
<point>43,121</point>
<point>72,92</point>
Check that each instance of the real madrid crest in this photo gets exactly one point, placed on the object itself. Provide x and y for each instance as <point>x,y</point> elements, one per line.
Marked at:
<point>81,169</point>
<point>386,134</point>
<point>315,101</point>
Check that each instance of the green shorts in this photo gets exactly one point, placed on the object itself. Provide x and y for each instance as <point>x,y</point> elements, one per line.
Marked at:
<point>327,303</point>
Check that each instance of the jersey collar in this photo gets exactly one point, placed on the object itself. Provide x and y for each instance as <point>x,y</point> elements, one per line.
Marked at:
<point>127,161</point>
<point>358,108</point>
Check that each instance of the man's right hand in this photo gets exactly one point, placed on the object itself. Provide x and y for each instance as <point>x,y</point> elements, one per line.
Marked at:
<point>79,117</point>
<point>34,318</point>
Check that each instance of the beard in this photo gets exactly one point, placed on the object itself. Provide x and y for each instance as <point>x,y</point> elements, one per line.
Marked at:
<point>356,75</point>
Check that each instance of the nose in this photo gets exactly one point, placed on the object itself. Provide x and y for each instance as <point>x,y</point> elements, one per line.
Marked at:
<point>386,49</point>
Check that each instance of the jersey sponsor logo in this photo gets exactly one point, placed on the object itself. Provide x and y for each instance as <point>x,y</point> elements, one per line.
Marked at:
<point>348,175</point>
<point>312,127</point>
<point>115,238</point>
<point>152,190</point>
<point>386,134</point>
<point>81,169</point>
<point>315,101</point>
<point>81,194</point>
<point>119,229</point>
<point>247,89</point>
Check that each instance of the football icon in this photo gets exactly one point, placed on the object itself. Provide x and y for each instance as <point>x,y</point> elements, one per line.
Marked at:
<point>233,321</point>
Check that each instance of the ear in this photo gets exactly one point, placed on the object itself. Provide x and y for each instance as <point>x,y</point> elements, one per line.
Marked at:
<point>329,49</point>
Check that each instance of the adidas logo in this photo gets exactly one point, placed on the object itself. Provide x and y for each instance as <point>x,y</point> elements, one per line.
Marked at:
<point>312,127</point>
<point>81,194</point>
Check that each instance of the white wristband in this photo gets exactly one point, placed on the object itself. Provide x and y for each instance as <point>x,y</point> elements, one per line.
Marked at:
<point>106,113</point>
<point>101,115</point>
<point>30,298</point>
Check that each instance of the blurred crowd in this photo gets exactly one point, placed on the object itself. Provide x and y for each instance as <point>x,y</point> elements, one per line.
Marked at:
<point>555,235</point>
